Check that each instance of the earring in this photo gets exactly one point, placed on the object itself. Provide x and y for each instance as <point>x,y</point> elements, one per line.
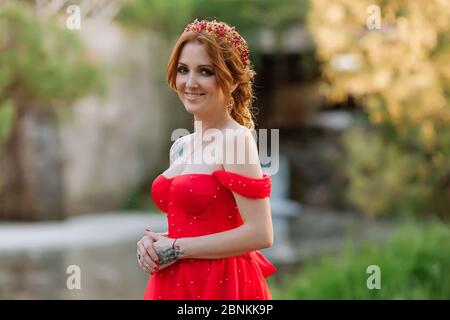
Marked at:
<point>230,105</point>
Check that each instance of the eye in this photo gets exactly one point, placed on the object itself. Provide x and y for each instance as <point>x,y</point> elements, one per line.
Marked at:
<point>182,69</point>
<point>206,72</point>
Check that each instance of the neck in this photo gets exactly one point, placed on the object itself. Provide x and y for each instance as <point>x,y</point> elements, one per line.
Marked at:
<point>217,121</point>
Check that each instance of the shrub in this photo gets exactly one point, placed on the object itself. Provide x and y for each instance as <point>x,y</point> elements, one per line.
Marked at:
<point>414,264</point>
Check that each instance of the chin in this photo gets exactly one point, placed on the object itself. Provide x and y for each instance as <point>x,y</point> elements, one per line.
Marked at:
<point>193,108</point>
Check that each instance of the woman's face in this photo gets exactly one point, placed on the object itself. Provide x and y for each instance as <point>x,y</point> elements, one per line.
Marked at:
<point>196,81</point>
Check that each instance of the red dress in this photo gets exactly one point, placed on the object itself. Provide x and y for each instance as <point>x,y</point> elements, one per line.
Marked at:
<point>200,204</point>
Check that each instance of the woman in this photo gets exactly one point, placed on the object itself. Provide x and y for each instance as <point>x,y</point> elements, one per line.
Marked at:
<point>218,211</point>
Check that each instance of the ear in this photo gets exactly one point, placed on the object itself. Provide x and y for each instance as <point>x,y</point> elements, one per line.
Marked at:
<point>234,87</point>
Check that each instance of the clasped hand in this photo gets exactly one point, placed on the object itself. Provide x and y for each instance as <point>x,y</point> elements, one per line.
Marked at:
<point>155,252</point>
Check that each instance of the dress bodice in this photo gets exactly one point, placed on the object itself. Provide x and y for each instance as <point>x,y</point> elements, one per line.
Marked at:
<point>198,204</point>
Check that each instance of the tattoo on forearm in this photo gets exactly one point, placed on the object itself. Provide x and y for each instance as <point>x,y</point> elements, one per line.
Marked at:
<point>168,255</point>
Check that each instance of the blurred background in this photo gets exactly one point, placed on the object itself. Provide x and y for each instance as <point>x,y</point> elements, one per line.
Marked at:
<point>359,91</point>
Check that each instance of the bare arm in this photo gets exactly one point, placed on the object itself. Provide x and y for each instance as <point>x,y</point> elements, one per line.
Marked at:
<point>224,244</point>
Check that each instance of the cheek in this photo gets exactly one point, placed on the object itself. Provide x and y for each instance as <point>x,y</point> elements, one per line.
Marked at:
<point>210,85</point>
<point>179,82</point>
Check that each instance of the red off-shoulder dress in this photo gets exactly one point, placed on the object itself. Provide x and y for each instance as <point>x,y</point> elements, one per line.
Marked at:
<point>201,204</point>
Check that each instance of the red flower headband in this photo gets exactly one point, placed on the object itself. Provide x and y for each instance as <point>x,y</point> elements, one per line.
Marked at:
<point>221,30</point>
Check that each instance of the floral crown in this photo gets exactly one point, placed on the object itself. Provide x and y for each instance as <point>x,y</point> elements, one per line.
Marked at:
<point>222,31</point>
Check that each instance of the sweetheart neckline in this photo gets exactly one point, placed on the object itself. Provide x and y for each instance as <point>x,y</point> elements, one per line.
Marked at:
<point>190,174</point>
<point>211,175</point>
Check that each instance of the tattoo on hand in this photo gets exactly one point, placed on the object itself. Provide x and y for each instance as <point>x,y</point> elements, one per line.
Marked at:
<point>167,254</point>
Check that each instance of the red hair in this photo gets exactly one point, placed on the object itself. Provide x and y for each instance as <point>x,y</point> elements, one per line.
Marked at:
<point>229,69</point>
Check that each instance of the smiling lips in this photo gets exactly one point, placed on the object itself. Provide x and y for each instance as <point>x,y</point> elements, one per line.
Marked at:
<point>193,96</point>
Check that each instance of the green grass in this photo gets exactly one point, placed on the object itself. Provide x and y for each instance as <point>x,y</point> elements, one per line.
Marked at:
<point>414,264</point>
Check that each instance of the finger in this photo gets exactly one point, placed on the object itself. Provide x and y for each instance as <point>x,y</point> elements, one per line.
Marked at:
<point>146,257</point>
<point>149,262</point>
<point>166,265</point>
<point>143,252</point>
<point>151,251</point>
<point>140,242</point>
<point>139,251</point>
<point>148,229</point>
<point>145,268</point>
<point>153,236</point>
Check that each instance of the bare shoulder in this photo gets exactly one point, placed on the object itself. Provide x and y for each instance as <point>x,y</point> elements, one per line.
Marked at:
<point>242,145</point>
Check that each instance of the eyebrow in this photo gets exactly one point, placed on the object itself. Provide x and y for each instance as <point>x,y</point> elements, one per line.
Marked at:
<point>202,65</point>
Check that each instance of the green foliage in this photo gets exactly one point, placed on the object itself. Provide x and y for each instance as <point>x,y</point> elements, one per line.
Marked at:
<point>401,75</point>
<point>41,60</point>
<point>170,17</point>
<point>414,264</point>
<point>378,176</point>
<point>6,119</point>
<point>156,15</point>
<point>42,64</point>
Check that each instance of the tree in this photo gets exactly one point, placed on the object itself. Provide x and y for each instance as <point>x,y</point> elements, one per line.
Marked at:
<point>43,67</point>
<point>400,74</point>
<point>169,18</point>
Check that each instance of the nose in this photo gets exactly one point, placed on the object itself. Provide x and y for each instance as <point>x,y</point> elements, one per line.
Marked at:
<point>191,81</point>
